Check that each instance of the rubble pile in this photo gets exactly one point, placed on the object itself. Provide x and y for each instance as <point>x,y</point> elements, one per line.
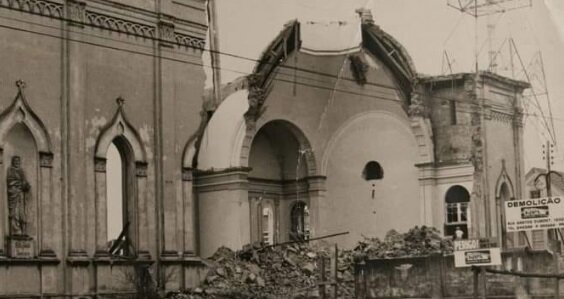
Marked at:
<point>286,271</point>
<point>418,241</point>
<point>294,270</point>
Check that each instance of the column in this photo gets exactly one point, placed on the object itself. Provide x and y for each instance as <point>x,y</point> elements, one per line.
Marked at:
<point>189,209</point>
<point>46,208</point>
<point>75,82</point>
<point>142,211</point>
<point>224,210</point>
<point>3,207</point>
<point>101,207</point>
<point>316,194</point>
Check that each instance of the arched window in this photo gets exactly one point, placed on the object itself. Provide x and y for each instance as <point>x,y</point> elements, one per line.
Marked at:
<point>457,212</point>
<point>114,192</point>
<point>267,226</point>
<point>506,239</point>
<point>119,205</point>
<point>299,230</point>
<point>372,171</point>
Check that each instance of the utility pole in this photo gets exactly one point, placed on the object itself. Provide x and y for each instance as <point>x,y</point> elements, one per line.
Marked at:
<point>548,150</point>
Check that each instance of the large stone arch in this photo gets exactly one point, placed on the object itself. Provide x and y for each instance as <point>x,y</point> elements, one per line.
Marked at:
<point>221,144</point>
<point>305,146</point>
<point>282,171</point>
<point>403,124</point>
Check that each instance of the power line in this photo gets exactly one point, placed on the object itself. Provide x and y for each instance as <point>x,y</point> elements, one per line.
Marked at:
<point>389,87</point>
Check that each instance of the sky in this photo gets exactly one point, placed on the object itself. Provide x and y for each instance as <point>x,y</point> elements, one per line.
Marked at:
<point>426,28</point>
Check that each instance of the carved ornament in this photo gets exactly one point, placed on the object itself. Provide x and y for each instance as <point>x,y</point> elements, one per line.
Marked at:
<point>99,164</point>
<point>46,160</point>
<point>166,32</point>
<point>76,12</point>
<point>256,100</point>
<point>417,107</point>
<point>141,169</point>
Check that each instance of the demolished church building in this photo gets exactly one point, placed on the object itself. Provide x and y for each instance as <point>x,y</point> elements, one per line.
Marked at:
<point>334,131</point>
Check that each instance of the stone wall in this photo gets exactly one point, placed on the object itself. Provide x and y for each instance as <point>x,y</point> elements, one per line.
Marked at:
<point>436,277</point>
<point>98,72</point>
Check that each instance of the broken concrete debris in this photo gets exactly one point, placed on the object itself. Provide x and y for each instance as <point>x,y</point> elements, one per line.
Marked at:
<point>294,270</point>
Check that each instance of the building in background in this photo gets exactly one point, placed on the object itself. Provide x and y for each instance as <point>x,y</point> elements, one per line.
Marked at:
<point>535,182</point>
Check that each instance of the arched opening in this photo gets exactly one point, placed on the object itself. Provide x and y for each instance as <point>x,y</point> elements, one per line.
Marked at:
<point>114,179</point>
<point>267,225</point>
<point>506,239</point>
<point>457,212</point>
<point>120,200</point>
<point>300,222</point>
<point>372,171</point>
<point>280,159</point>
<point>21,181</point>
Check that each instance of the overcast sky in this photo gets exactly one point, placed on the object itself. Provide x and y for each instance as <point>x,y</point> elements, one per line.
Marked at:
<point>426,28</point>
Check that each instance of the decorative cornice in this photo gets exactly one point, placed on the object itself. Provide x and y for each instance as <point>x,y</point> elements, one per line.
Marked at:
<point>120,25</point>
<point>77,14</point>
<point>501,117</point>
<point>39,7</point>
<point>189,41</point>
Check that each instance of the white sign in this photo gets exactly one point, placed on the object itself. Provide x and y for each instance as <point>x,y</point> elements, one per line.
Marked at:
<point>477,257</point>
<point>461,245</point>
<point>472,252</point>
<point>535,213</point>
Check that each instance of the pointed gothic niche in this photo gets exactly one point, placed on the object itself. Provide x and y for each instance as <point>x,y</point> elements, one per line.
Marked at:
<point>121,208</point>
<point>23,134</point>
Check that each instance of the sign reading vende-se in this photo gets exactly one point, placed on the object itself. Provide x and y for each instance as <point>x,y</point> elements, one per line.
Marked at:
<point>534,213</point>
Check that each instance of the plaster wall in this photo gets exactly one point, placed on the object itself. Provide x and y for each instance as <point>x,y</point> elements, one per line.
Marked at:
<point>348,125</point>
<point>72,82</point>
<point>225,219</point>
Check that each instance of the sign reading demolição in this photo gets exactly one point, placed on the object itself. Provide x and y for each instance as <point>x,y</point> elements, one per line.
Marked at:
<point>472,252</point>
<point>535,213</point>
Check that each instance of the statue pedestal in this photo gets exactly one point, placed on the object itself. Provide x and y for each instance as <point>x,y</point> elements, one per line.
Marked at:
<point>21,247</point>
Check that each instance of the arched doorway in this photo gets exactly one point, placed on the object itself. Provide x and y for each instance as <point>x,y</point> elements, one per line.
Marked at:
<point>280,159</point>
<point>457,212</point>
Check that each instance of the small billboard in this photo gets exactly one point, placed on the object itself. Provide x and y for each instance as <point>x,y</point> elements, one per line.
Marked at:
<point>471,252</point>
<point>534,214</point>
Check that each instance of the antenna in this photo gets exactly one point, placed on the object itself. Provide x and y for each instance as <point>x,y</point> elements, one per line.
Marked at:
<point>480,8</point>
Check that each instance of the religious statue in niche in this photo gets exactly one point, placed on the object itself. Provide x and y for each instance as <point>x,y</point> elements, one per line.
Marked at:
<point>18,196</point>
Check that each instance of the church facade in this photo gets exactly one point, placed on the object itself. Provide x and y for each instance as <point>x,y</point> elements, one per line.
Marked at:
<point>325,137</point>
<point>95,77</point>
